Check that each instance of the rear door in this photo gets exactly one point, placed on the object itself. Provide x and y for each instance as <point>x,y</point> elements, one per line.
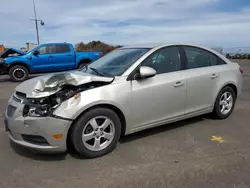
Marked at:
<point>202,78</point>
<point>63,57</point>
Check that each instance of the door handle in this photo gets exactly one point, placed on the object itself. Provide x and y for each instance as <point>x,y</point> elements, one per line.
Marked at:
<point>178,84</point>
<point>51,56</point>
<point>214,76</point>
<point>69,55</point>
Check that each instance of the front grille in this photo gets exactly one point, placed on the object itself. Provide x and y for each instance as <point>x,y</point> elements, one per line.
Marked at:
<point>11,110</point>
<point>35,139</point>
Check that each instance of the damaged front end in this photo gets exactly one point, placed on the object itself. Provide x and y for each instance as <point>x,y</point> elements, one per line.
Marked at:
<point>12,52</point>
<point>3,67</point>
<point>42,96</point>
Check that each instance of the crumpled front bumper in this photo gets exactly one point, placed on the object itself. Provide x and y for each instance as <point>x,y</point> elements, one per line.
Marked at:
<point>3,68</point>
<point>35,132</point>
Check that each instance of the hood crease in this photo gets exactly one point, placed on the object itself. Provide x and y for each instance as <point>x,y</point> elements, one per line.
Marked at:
<point>49,84</point>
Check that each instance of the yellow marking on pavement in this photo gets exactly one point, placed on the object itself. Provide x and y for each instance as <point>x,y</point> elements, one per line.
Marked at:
<point>218,139</point>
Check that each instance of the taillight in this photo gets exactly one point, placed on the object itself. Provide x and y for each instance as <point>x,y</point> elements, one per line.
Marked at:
<point>101,54</point>
<point>241,70</point>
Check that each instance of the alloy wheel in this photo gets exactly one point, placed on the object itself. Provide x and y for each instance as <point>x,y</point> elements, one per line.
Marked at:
<point>98,133</point>
<point>226,103</point>
<point>19,74</point>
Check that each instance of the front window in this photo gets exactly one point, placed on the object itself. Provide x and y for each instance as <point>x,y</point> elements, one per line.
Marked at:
<point>43,50</point>
<point>115,63</point>
<point>48,49</point>
<point>164,60</point>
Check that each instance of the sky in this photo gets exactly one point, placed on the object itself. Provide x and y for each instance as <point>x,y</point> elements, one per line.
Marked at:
<point>224,23</point>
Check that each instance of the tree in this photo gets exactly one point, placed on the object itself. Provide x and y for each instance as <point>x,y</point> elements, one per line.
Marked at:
<point>95,46</point>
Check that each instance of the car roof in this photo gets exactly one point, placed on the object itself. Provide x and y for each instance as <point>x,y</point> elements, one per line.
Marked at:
<point>55,43</point>
<point>158,45</point>
<point>141,46</point>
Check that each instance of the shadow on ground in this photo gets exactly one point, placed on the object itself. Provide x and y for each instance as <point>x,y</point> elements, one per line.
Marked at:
<point>31,154</point>
<point>6,78</point>
<point>163,128</point>
<point>35,155</point>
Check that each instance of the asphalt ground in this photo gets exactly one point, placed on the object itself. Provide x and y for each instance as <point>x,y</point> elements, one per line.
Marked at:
<point>181,154</point>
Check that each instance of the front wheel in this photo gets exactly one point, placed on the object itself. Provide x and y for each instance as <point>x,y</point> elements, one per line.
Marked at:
<point>82,65</point>
<point>225,102</point>
<point>96,132</point>
<point>18,73</point>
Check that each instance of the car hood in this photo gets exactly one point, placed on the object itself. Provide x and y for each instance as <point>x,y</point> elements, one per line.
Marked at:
<point>50,84</point>
<point>11,51</point>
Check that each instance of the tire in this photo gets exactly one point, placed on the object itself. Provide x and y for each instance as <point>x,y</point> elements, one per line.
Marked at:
<point>18,73</point>
<point>84,126</point>
<point>83,63</point>
<point>218,107</point>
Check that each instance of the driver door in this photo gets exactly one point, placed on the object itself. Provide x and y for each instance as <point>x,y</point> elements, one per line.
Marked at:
<point>43,60</point>
<point>162,97</point>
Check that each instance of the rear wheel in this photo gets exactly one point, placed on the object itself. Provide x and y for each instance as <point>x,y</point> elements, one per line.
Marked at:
<point>225,102</point>
<point>96,132</point>
<point>18,73</point>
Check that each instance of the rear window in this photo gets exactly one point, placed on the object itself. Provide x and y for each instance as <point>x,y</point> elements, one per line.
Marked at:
<point>62,48</point>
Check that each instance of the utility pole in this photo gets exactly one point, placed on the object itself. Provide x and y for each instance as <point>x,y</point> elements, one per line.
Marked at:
<point>36,20</point>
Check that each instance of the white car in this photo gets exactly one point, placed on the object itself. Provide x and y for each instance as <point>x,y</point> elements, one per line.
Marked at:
<point>128,90</point>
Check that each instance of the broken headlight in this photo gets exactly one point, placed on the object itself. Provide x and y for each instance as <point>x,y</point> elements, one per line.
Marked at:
<point>35,111</point>
<point>36,107</point>
<point>45,106</point>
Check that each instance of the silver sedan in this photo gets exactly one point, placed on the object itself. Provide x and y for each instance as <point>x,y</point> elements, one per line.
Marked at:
<point>128,90</point>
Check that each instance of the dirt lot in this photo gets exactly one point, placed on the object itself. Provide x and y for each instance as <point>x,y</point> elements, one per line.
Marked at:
<point>177,155</point>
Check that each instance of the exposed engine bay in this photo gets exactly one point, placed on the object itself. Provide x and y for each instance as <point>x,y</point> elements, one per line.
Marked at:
<point>40,107</point>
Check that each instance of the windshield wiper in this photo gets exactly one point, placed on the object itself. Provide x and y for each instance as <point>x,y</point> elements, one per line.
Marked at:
<point>97,71</point>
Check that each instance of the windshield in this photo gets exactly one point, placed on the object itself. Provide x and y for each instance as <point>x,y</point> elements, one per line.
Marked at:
<point>115,63</point>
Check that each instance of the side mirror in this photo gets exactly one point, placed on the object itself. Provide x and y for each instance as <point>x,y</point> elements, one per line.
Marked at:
<point>146,72</point>
<point>36,52</point>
